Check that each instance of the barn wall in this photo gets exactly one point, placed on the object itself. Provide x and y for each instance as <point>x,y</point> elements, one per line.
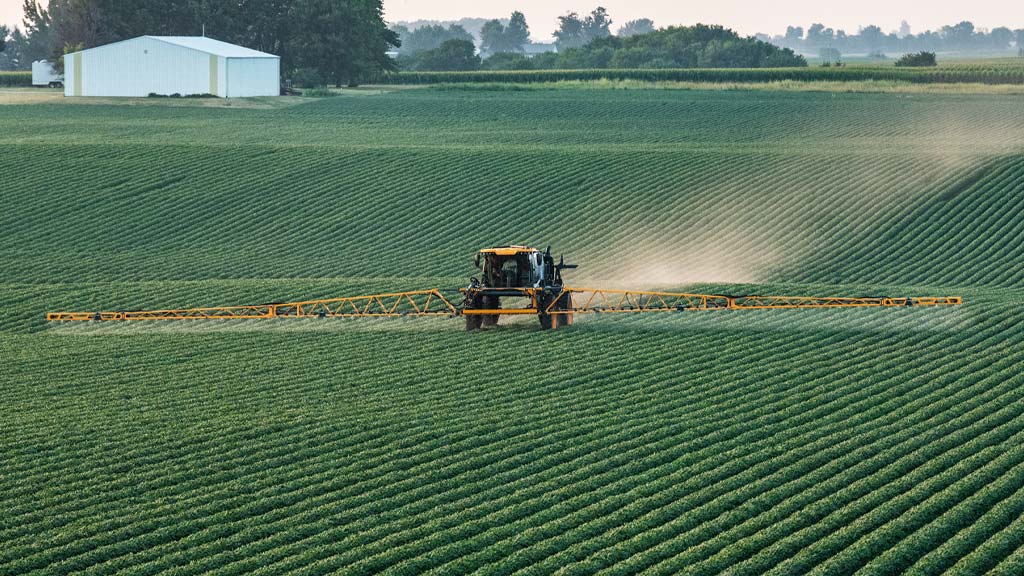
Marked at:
<point>253,77</point>
<point>70,76</point>
<point>138,67</point>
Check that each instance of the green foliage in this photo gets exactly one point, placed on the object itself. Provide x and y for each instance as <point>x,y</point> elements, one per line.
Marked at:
<point>507,61</point>
<point>431,36</point>
<point>309,78</point>
<point>918,60</point>
<point>495,37</point>
<point>634,27</point>
<point>673,47</point>
<point>968,73</point>
<point>17,53</point>
<point>319,92</point>
<point>576,32</point>
<point>345,40</point>
<point>451,55</point>
<point>19,78</point>
<point>786,442</point>
<point>961,38</point>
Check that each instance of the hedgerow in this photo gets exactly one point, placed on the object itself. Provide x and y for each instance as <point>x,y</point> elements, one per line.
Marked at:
<point>983,75</point>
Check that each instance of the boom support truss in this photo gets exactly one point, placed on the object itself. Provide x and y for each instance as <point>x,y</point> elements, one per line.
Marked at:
<point>569,301</point>
<point>585,300</point>
<point>414,303</point>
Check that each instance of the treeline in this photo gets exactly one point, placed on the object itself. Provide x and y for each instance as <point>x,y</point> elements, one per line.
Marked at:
<point>697,46</point>
<point>587,42</point>
<point>962,37</point>
<point>336,41</point>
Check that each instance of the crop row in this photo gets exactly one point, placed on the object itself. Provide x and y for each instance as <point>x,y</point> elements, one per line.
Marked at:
<point>8,79</point>
<point>687,215</point>
<point>786,202</point>
<point>800,441</point>
<point>240,503</point>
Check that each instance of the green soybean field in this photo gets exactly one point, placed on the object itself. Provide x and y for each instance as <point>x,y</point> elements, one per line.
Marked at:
<point>867,441</point>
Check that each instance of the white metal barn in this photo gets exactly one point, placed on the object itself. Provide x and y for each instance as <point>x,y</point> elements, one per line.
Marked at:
<point>168,65</point>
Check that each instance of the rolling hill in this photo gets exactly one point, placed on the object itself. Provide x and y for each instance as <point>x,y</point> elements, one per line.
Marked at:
<point>798,441</point>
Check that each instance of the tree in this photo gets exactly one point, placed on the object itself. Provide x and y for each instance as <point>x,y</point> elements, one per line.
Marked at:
<point>794,36</point>
<point>570,31</point>
<point>814,35</point>
<point>872,37</point>
<point>904,29</point>
<point>492,37</point>
<point>634,27</point>
<point>517,32</point>
<point>344,41</point>
<point>597,25</point>
<point>1000,38</point>
<point>4,33</point>
<point>574,32</point>
<point>917,60</point>
<point>496,37</point>
<point>960,36</point>
<point>508,61</point>
<point>451,55</point>
<point>432,36</point>
<point>12,57</point>
<point>674,47</point>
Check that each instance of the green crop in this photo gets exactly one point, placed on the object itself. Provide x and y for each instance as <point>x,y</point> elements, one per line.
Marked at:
<point>994,72</point>
<point>15,79</point>
<point>783,442</point>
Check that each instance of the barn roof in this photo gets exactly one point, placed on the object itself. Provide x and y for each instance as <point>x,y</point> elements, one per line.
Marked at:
<point>211,46</point>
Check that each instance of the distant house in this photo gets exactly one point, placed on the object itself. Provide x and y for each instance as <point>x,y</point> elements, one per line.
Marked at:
<point>165,65</point>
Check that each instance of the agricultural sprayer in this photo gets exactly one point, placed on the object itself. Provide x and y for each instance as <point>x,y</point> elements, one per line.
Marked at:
<point>514,280</point>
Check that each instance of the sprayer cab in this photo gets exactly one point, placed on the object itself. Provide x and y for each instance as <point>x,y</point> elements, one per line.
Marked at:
<point>513,272</point>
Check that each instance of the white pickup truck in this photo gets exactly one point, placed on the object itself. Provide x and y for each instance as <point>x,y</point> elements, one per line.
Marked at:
<point>43,74</point>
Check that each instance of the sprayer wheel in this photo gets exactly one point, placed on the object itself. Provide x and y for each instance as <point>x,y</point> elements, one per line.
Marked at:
<point>491,303</point>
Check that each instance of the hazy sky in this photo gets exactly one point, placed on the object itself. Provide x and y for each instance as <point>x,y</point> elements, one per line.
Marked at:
<point>745,16</point>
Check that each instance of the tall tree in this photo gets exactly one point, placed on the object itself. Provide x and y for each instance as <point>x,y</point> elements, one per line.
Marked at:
<point>345,40</point>
<point>496,37</point>
<point>872,37</point>
<point>635,27</point>
<point>39,37</point>
<point>492,37</point>
<point>570,31</point>
<point>4,33</point>
<point>816,35</point>
<point>597,25</point>
<point>517,32</point>
<point>574,32</point>
<point>1000,38</point>
<point>959,36</point>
